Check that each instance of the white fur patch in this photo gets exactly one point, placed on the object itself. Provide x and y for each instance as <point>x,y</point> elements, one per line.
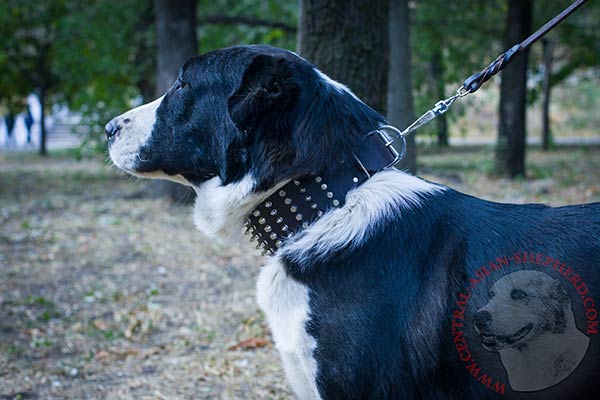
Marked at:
<point>220,210</point>
<point>136,128</point>
<point>383,196</point>
<point>285,303</point>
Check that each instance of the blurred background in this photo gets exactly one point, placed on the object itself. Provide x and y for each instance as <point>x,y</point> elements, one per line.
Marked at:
<point>107,291</point>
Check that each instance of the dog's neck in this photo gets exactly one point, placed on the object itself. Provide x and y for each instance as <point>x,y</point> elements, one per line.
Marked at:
<point>303,200</point>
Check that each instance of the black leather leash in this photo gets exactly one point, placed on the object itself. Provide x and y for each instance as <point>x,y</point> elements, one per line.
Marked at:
<point>475,81</point>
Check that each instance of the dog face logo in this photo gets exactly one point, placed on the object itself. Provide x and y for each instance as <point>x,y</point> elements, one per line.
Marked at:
<point>529,321</point>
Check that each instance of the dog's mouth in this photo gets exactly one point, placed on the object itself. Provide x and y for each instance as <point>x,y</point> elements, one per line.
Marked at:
<point>498,342</point>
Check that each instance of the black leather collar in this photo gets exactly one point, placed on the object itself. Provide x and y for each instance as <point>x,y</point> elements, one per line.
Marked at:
<point>303,200</point>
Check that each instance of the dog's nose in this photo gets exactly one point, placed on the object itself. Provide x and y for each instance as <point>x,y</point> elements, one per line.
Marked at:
<point>112,128</point>
<point>482,318</point>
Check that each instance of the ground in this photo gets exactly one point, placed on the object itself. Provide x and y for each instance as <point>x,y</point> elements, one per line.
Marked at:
<point>107,293</point>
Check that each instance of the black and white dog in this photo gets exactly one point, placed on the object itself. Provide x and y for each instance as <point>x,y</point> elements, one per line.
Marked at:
<point>374,274</point>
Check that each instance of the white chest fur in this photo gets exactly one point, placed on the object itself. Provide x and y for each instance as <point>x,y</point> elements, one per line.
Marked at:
<point>285,303</point>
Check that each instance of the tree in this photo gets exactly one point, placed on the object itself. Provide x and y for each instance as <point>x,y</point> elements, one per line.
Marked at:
<point>570,49</point>
<point>546,135</point>
<point>400,101</point>
<point>62,51</point>
<point>510,151</point>
<point>348,40</point>
<point>28,34</point>
<point>176,42</point>
<point>450,41</point>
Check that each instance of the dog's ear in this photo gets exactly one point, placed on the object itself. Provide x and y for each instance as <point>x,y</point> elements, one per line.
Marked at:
<point>266,84</point>
<point>558,292</point>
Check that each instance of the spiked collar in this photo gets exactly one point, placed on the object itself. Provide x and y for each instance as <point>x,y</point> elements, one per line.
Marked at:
<point>302,201</point>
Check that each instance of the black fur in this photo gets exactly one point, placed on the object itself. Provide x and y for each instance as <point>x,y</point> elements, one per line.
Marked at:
<point>381,312</point>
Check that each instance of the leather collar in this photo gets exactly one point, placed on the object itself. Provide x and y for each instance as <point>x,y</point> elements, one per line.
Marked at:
<point>303,200</point>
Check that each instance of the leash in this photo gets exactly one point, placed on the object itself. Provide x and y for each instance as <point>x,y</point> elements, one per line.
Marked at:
<point>475,81</point>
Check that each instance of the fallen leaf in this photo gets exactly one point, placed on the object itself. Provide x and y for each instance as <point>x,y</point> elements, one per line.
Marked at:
<point>252,343</point>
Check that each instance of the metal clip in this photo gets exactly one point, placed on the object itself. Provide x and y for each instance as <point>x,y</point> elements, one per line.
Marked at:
<point>388,141</point>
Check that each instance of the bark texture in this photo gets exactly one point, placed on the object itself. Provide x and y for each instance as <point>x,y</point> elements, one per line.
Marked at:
<point>348,40</point>
<point>546,90</point>
<point>510,152</point>
<point>400,100</point>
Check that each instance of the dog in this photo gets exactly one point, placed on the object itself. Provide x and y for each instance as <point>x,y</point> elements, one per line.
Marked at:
<point>530,322</point>
<point>364,260</point>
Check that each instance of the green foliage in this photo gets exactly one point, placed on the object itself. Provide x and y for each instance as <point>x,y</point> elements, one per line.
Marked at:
<point>92,56</point>
<point>576,43</point>
<point>466,35</point>
<point>98,57</point>
<point>214,36</point>
<point>27,33</point>
<point>469,34</point>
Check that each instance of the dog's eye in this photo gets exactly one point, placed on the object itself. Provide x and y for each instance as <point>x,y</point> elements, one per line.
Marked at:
<point>517,294</point>
<point>180,85</point>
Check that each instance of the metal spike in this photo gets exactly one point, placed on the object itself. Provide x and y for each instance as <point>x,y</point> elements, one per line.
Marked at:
<point>268,228</point>
<point>324,186</point>
<point>279,220</point>
<point>299,217</point>
<point>293,209</point>
<point>336,202</point>
<point>273,236</point>
<point>329,195</point>
<point>262,220</point>
<point>256,213</point>
<point>267,252</point>
<point>288,201</point>
<point>318,179</point>
<point>282,193</point>
<point>268,204</point>
<point>273,211</point>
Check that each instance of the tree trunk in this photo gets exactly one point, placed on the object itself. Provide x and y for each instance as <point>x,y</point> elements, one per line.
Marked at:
<point>176,42</point>
<point>437,81</point>
<point>546,88</point>
<point>43,133</point>
<point>510,151</point>
<point>348,40</point>
<point>400,100</point>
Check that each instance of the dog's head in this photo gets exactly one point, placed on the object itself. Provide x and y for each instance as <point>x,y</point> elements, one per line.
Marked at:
<point>522,306</point>
<point>240,121</point>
